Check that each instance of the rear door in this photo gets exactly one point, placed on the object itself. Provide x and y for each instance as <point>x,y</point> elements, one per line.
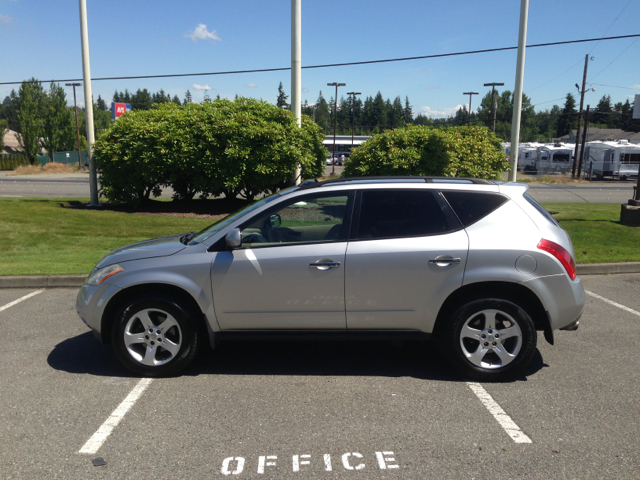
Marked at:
<point>406,255</point>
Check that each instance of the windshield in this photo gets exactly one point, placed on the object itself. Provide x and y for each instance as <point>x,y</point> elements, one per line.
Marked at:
<point>220,224</point>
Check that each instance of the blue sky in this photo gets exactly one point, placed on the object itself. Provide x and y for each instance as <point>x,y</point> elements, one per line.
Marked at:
<point>41,39</point>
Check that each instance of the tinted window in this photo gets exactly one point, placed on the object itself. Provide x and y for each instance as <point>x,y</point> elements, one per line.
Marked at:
<point>473,206</point>
<point>540,209</point>
<point>308,219</point>
<point>400,213</point>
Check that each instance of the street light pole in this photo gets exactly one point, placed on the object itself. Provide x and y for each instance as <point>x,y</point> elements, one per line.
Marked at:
<point>335,123</point>
<point>88,103</point>
<point>75,104</point>
<point>470,93</point>
<point>353,116</point>
<point>493,100</point>
<point>517,93</point>
<point>296,70</point>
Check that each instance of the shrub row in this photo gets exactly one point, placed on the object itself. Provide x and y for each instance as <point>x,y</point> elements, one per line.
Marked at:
<point>244,147</point>
<point>11,162</point>
<point>422,150</point>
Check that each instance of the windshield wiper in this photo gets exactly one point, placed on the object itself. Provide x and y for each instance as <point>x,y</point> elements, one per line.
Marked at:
<point>186,238</point>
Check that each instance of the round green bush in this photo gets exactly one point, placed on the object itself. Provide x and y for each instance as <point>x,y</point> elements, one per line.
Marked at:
<point>422,150</point>
<point>244,147</point>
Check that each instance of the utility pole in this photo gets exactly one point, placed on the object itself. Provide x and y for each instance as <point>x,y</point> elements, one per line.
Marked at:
<point>335,123</point>
<point>493,101</point>
<point>584,137</point>
<point>517,94</point>
<point>296,70</point>
<point>75,104</point>
<point>470,93</point>
<point>353,116</point>
<point>88,103</point>
<point>584,81</point>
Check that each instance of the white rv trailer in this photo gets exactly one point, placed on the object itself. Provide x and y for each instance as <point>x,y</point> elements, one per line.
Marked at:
<point>612,159</point>
<point>556,158</point>
<point>526,155</point>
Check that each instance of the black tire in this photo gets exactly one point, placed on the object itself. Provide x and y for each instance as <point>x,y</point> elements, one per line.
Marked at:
<point>493,357</point>
<point>157,352</point>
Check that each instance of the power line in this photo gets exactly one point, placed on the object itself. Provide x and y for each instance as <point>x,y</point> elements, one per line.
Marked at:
<point>612,23</point>
<point>613,86</point>
<point>368,62</point>
<point>630,45</point>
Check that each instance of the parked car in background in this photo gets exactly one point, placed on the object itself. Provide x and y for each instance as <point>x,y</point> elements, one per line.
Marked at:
<point>477,266</point>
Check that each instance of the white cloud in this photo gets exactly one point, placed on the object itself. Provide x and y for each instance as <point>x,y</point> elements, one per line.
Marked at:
<point>201,33</point>
<point>251,85</point>
<point>4,19</point>
<point>417,69</point>
<point>443,113</point>
<point>305,90</point>
<point>201,87</point>
<point>437,87</point>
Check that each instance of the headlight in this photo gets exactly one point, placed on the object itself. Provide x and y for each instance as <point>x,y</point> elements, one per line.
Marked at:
<point>100,275</point>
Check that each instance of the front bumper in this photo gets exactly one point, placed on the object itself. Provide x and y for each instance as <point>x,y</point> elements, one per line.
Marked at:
<point>91,302</point>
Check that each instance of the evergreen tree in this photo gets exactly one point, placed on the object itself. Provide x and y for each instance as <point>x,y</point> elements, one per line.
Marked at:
<point>602,116</point>
<point>176,100</point>
<point>30,113</point>
<point>282,97</point>
<point>187,98</point>
<point>101,104</point>
<point>408,112</point>
<point>568,118</point>
<point>141,100</point>
<point>59,133</point>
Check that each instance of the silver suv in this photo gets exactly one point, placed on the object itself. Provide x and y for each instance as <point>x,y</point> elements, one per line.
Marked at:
<point>478,265</point>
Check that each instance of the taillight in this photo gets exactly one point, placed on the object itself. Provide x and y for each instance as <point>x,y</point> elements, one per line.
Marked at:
<point>561,254</point>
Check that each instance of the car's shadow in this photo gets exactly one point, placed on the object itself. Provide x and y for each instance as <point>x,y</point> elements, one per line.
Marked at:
<point>419,359</point>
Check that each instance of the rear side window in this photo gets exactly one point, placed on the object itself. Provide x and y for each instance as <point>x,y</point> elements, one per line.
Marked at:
<point>540,209</point>
<point>400,213</point>
<point>471,207</point>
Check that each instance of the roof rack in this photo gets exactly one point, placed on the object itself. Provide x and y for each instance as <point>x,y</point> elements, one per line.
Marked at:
<point>391,179</point>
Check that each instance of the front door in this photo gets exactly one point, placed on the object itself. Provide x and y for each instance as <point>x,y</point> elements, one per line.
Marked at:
<point>289,271</point>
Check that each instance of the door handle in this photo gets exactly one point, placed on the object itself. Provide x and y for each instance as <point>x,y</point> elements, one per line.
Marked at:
<point>324,265</point>
<point>444,260</point>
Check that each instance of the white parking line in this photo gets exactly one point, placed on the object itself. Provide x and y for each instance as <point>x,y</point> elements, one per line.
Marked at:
<point>499,414</point>
<point>15,302</point>
<point>611,302</point>
<point>98,438</point>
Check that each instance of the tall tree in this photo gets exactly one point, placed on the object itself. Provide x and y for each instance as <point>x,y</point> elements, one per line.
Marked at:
<point>101,104</point>
<point>141,100</point>
<point>282,97</point>
<point>187,98</point>
<point>59,126</point>
<point>568,118</point>
<point>30,113</point>
<point>602,115</point>
<point>408,111</point>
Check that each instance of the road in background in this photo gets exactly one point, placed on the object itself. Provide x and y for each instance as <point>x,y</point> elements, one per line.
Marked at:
<point>297,409</point>
<point>77,185</point>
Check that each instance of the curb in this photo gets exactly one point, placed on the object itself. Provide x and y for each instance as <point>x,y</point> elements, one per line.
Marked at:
<point>67,281</point>
<point>44,281</point>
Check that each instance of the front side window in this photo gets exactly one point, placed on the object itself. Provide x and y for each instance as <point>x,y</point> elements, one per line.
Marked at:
<point>309,219</point>
<point>400,213</point>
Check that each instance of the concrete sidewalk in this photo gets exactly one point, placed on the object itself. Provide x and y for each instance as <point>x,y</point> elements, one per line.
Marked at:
<point>59,281</point>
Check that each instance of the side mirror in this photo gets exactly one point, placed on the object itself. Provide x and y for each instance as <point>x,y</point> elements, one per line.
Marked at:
<point>234,239</point>
<point>275,220</point>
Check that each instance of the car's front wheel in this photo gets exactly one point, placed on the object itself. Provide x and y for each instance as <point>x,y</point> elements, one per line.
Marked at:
<point>490,339</point>
<point>155,337</point>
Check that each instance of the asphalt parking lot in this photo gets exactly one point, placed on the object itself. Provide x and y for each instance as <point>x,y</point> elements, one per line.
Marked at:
<point>318,409</point>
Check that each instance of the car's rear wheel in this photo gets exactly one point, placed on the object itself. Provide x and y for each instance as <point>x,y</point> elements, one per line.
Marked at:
<point>490,339</point>
<point>155,337</point>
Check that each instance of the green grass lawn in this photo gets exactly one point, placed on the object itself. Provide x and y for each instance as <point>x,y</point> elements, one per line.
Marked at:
<point>40,237</point>
<point>598,236</point>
